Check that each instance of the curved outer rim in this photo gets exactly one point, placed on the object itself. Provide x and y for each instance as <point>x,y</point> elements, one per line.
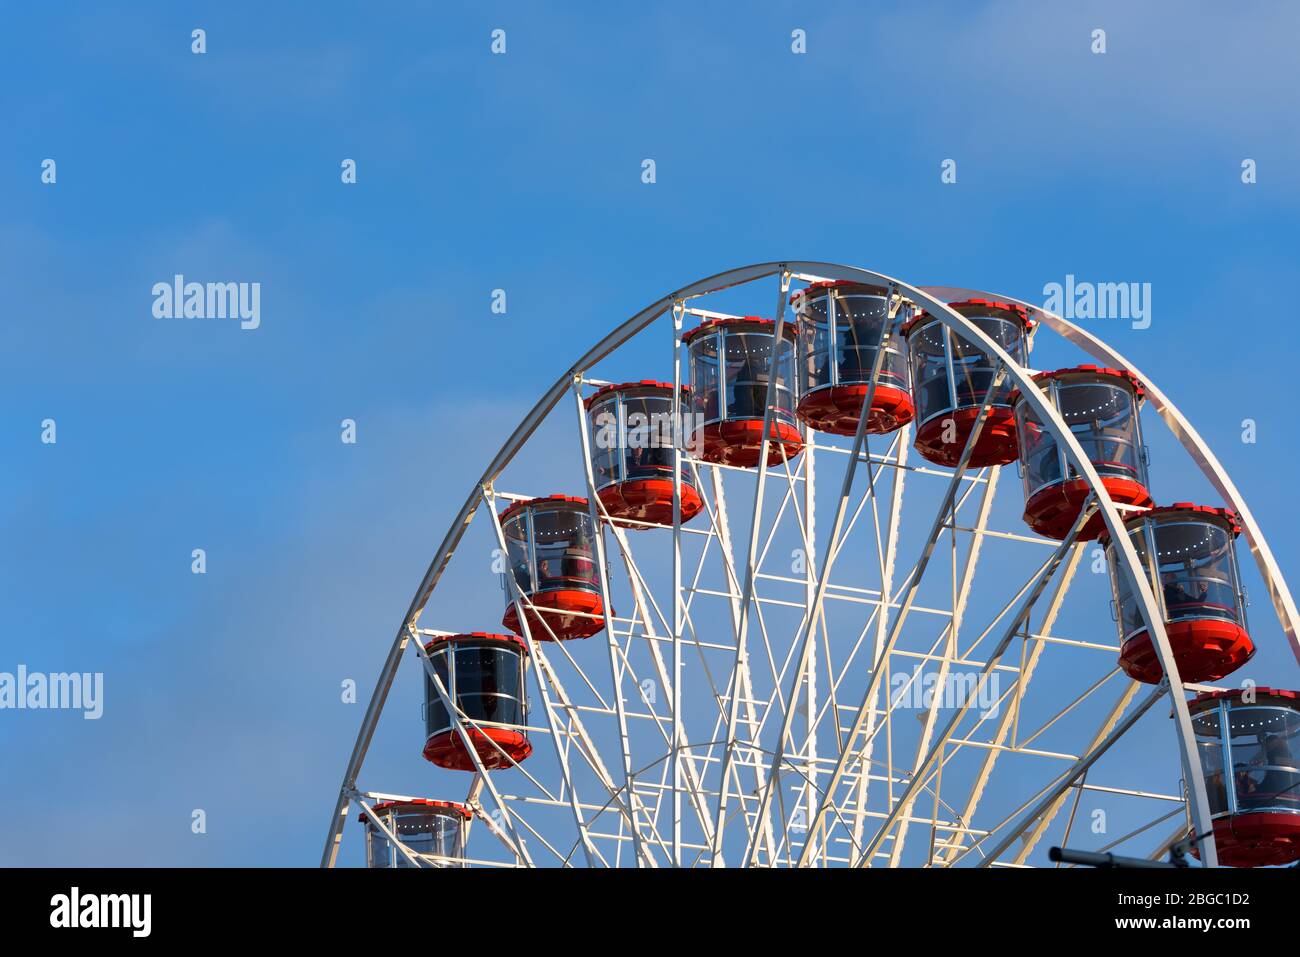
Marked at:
<point>924,297</point>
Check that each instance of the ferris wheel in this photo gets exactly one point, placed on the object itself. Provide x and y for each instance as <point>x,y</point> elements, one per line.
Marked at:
<point>791,607</point>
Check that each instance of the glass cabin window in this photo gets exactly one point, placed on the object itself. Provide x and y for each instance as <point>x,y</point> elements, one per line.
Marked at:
<point>973,370</point>
<point>560,557</point>
<point>1198,575</point>
<point>815,350</point>
<point>379,853</point>
<point>488,681</point>
<point>446,837</point>
<point>738,389</point>
<point>487,685</point>
<point>930,386</point>
<point>930,347</point>
<point>606,441</point>
<point>648,453</point>
<point>633,439</point>
<point>1103,418</point>
<point>427,832</point>
<point>1039,455</point>
<point>436,717</point>
<point>747,372</point>
<point>1265,749</point>
<point>859,320</point>
<point>648,450</point>
<point>1209,746</point>
<point>705,377</point>
<point>563,547</point>
<point>849,325</point>
<point>423,832</point>
<point>518,554</point>
<point>1130,614</point>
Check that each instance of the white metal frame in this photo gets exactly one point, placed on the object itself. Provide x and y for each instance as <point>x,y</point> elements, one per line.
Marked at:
<point>732,779</point>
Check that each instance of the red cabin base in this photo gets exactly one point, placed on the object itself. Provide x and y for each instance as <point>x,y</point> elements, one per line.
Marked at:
<point>1206,650</point>
<point>1256,840</point>
<point>559,608</point>
<point>1052,511</point>
<point>447,750</point>
<point>836,410</point>
<point>648,500</point>
<point>997,443</point>
<point>740,442</point>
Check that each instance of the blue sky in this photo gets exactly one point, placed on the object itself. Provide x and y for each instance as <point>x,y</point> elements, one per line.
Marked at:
<point>520,172</point>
